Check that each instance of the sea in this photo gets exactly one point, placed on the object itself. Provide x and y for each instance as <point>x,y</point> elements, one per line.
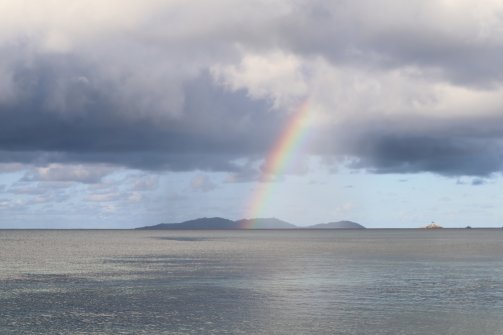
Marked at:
<point>403,281</point>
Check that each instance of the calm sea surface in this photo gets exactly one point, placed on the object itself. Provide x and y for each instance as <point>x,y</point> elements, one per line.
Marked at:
<point>252,282</point>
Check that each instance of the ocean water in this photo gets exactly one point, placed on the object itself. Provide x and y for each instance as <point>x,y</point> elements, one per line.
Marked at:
<point>252,282</point>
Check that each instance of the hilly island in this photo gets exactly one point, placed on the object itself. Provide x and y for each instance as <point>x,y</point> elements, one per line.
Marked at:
<point>245,224</point>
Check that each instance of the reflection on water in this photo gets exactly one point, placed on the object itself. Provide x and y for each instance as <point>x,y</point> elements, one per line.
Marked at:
<point>251,282</point>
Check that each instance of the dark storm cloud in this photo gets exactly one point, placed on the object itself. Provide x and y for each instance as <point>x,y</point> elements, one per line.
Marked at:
<point>443,155</point>
<point>410,146</point>
<point>478,181</point>
<point>65,113</point>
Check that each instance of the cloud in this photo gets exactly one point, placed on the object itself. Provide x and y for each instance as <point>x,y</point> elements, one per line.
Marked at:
<point>146,183</point>
<point>104,197</point>
<point>27,190</point>
<point>130,84</point>
<point>406,153</point>
<point>11,167</point>
<point>61,120</point>
<point>478,181</point>
<point>87,174</point>
<point>202,183</point>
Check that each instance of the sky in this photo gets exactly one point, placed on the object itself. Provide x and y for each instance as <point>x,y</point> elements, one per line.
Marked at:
<point>119,114</point>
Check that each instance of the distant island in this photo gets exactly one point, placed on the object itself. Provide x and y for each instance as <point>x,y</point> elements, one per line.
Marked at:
<point>246,224</point>
<point>337,225</point>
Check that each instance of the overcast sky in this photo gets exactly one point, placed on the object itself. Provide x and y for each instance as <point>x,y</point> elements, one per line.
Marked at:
<point>117,114</point>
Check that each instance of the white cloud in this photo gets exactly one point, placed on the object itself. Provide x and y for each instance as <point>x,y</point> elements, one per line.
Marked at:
<point>202,183</point>
<point>87,174</point>
<point>277,75</point>
<point>145,183</point>
<point>104,197</point>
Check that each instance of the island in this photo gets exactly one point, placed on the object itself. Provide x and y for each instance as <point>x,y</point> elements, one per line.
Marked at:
<point>337,225</point>
<point>247,224</point>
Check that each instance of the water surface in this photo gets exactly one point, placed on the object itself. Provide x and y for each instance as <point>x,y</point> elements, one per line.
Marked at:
<point>251,282</point>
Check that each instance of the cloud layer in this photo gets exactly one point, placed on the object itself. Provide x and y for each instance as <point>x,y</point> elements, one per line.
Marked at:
<point>181,85</point>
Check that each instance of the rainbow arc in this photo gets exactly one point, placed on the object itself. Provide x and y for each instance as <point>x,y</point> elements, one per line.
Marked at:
<point>280,156</point>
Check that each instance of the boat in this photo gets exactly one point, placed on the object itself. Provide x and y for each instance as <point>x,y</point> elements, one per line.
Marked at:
<point>433,225</point>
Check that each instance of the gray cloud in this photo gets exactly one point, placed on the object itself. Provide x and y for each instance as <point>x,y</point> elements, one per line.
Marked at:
<point>10,167</point>
<point>461,42</point>
<point>419,145</point>
<point>447,156</point>
<point>478,181</point>
<point>59,119</point>
<point>147,91</point>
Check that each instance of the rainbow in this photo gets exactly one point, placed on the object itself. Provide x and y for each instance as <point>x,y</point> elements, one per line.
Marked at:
<point>279,157</point>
